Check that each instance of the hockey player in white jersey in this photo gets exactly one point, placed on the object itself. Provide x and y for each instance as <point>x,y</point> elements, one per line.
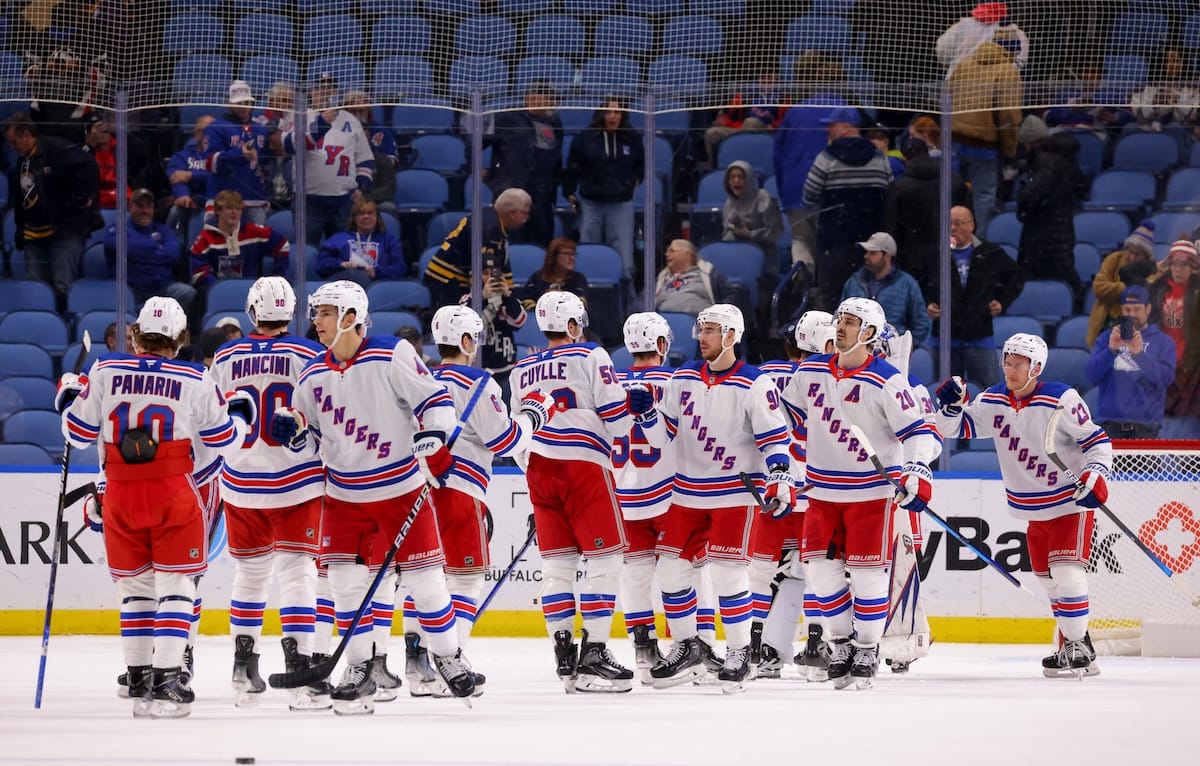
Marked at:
<point>272,498</point>
<point>361,400</point>
<point>723,417</point>
<point>847,525</point>
<point>571,489</point>
<point>1017,414</point>
<point>338,165</point>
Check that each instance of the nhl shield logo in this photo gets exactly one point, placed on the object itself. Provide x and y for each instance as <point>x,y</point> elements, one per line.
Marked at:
<point>469,561</point>
<point>598,542</point>
<point>194,553</point>
<point>309,533</point>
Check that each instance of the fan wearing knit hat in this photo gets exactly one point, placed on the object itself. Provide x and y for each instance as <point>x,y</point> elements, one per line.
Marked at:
<point>1132,264</point>
<point>1172,294</point>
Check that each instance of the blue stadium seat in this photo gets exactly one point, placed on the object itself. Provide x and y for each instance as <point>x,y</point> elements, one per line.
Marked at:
<point>95,265</point>
<point>210,6</point>
<point>1087,261</point>
<point>711,191</point>
<point>1044,299</point>
<point>229,295</point>
<point>401,35</point>
<point>25,294</point>
<point>423,261</point>
<point>827,34</point>
<point>442,153</point>
<point>485,192</point>
<point>433,117</point>
<point>1072,333</point>
<point>555,70</point>
<point>210,319</point>
<point>202,77</point>
<point>585,8</point>
<point>387,322</point>
<point>1191,33</point>
<point>621,358</point>
<point>655,7</point>
<point>684,77</point>
<point>833,7</point>
<point>40,427</point>
<point>1125,73</point>
<point>398,295</point>
<point>263,33</point>
<point>332,34</point>
<point>87,458</point>
<point>660,191</point>
<point>600,263</point>
<point>740,262</point>
<point>556,35</point>
<point>441,225</point>
<point>12,74</point>
<point>261,72</point>
<point>24,454</point>
<point>732,8</point>
<point>524,7</point>
<point>348,71</point>
<point>193,33</point>
<point>46,328</point>
<point>1066,365</point>
<point>454,8</point>
<point>755,148</point>
<point>1004,229</point>
<point>1171,226</point>
<point>96,322</point>
<point>683,341</point>
<point>623,36</point>
<point>1183,191</point>
<point>240,7</point>
<point>22,358</point>
<point>36,393</point>
<point>420,191</point>
<point>975,461</point>
<point>1139,31</point>
<point>95,295</point>
<point>1091,152</point>
<point>1107,231</point>
<point>1005,326</point>
<point>402,78</point>
<point>310,7</point>
<point>529,336</point>
<point>1123,191</point>
<point>489,35</point>
<point>1148,152</point>
<point>525,259</point>
<point>693,35</point>
<point>485,72</point>
<point>922,366</point>
<point>281,221</point>
<point>611,74</point>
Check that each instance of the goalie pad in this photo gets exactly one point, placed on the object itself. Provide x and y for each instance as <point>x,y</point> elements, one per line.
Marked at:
<point>906,632</point>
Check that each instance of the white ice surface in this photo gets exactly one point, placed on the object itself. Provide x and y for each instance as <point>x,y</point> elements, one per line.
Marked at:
<point>964,705</point>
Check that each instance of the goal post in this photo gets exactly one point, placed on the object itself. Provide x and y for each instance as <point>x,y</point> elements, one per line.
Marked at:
<point>1155,490</point>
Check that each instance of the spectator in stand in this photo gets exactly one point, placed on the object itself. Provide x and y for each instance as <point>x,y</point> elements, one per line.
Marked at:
<point>1046,204</point>
<point>236,154</point>
<point>882,138</point>
<point>233,248</point>
<point>152,253</point>
<point>848,183</point>
<point>761,116</point>
<point>449,272</point>
<point>751,215</point>
<point>383,147</point>
<point>1132,365</point>
<point>605,164</point>
<point>102,144</point>
<point>64,88</point>
<point>983,284</point>
<point>1131,265</point>
<point>364,252</point>
<point>688,283</point>
<point>1168,103</point>
<point>527,154</point>
<point>413,336</point>
<point>963,37</point>
<point>278,118</point>
<point>800,138</point>
<point>324,93</point>
<point>54,192</point>
<point>883,282</point>
<point>110,336</point>
<point>189,181</point>
<point>557,273</point>
<point>985,91</point>
<point>913,215</point>
<point>230,327</point>
<point>1173,294</point>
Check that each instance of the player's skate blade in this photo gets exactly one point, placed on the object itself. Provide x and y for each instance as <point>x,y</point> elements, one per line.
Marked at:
<point>171,697</point>
<point>386,682</point>
<point>599,672</point>
<point>248,686</point>
<point>422,679</point>
<point>456,674</point>
<point>684,663</point>
<point>770,664</point>
<point>355,694</point>
<point>841,659</point>
<point>1075,659</point>
<point>444,693</point>
<point>645,653</point>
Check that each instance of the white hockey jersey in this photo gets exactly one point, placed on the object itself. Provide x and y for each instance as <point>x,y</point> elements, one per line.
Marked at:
<point>334,162</point>
<point>592,407</point>
<point>878,399</point>
<point>644,474</point>
<point>781,372</point>
<point>487,433</point>
<point>265,473</point>
<point>721,425</point>
<point>1035,487</point>
<point>364,412</point>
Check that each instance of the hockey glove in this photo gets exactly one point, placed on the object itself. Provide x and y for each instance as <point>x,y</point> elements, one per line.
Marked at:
<point>93,509</point>
<point>69,387</point>
<point>242,405</point>
<point>288,426</point>
<point>951,396</point>
<point>640,399</point>
<point>539,408</point>
<point>916,485</point>
<point>780,495</point>
<point>429,448</point>
<point>1092,491</point>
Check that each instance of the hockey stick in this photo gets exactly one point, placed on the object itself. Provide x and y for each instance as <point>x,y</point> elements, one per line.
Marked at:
<point>879,466</point>
<point>86,346</point>
<point>319,671</point>
<point>748,483</point>
<point>508,570</point>
<point>1051,428</point>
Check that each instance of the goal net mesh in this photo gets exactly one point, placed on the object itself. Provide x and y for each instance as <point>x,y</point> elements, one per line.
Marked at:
<point>1155,491</point>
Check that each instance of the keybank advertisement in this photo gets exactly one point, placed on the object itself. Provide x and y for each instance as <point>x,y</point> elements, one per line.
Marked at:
<point>972,601</point>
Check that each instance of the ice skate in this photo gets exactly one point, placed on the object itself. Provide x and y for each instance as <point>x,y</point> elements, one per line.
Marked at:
<point>814,660</point>
<point>566,658</point>
<point>314,697</point>
<point>898,666</point>
<point>443,692</point>
<point>645,653</point>
<point>756,630</point>
<point>841,659</point>
<point>712,665</point>
<point>684,663</point>
<point>770,663</point>
<point>123,690</point>
<point>735,671</point>
<point>171,697</point>
<point>355,695</point>
<point>1074,659</point>
<point>422,679</point>
<point>139,690</point>
<point>599,671</point>
<point>866,663</point>
<point>456,674</point>
<point>386,683</point>
<point>248,685</point>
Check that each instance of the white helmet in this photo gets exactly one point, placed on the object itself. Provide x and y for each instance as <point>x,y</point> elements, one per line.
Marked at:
<point>813,329</point>
<point>869,313</point>
<point>451,323</point>
<point>346,296</point>
<point>270,299</point>
<point>728,316</point>
<point>1031,346</point>
<point>555,310</point>
<point>642,331</point>
<point>161,315</point>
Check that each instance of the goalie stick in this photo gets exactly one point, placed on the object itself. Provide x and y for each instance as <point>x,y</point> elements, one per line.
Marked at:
<point>879,466</point>
<point>1051,429</point>
<point>508,570</point>
<point>85,347</point>
<point>319,671</point>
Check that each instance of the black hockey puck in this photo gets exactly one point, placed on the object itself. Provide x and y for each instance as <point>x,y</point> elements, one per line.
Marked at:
<point>243,760</point>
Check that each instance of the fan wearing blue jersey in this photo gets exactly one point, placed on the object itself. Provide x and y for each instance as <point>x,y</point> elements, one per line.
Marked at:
<point>1017,414</point>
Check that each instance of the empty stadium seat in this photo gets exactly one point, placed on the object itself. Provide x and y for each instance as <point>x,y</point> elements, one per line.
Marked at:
<point>525,259</point>
<point>1107,231</point>
<point>229,295</point>
<point>1123,191</point>
<point>556,35</point>
<point>524,7</point>
<point>922,366</point>
<point>261,72</point>
<point>1005,326</point>
<point>485,72</point>
<point>683,343</point>
<point>263,33</point>
<point>824,33</point>
<point>1127,73</point>
<point>1046,300</point>
<point>420,191</point>
<point>22,358</point>
<point>95,295</point>
<point>1087,261</point>
<point>441,153</point>
<point>600,263</point>
<point>45,328</point>
<point>684,77</point>
<point>40,427</point>
<point>621,358</point>
<point>387,322</point>
<point>398,295</point>
<point>25,295</point>
<point>96,322</point>
<point>693,35</point>
<point>1148,152</point>
<point>756,148</point>
<point>193,33</point>
<point>95,264</point>
<point>281,222</point>
<point>399,35</point>
<point>1183,191</point>
<point>36,392</point>
<point>731,8</point>
<point>432,117</point>
<point>1066,365</point>
<point>347,70</point>
<point>402,78</point>
<point>24,454</point>
<point>1072,333</point>
<point>1170,226</point>
<point>529,336</point>
<point>488,35</point>
<point>555,70</point>
<point>623,36</point>
<point>655,7</point>
<point>583,8</point>
<point>486,196</point>
<point>1139,31</point>
<point>332,33</point>
<point>611,74</point>
<point>201,77</point>
<point>740,262</point>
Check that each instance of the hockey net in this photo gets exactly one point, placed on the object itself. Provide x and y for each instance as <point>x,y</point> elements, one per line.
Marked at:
<point>1155,490</point>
